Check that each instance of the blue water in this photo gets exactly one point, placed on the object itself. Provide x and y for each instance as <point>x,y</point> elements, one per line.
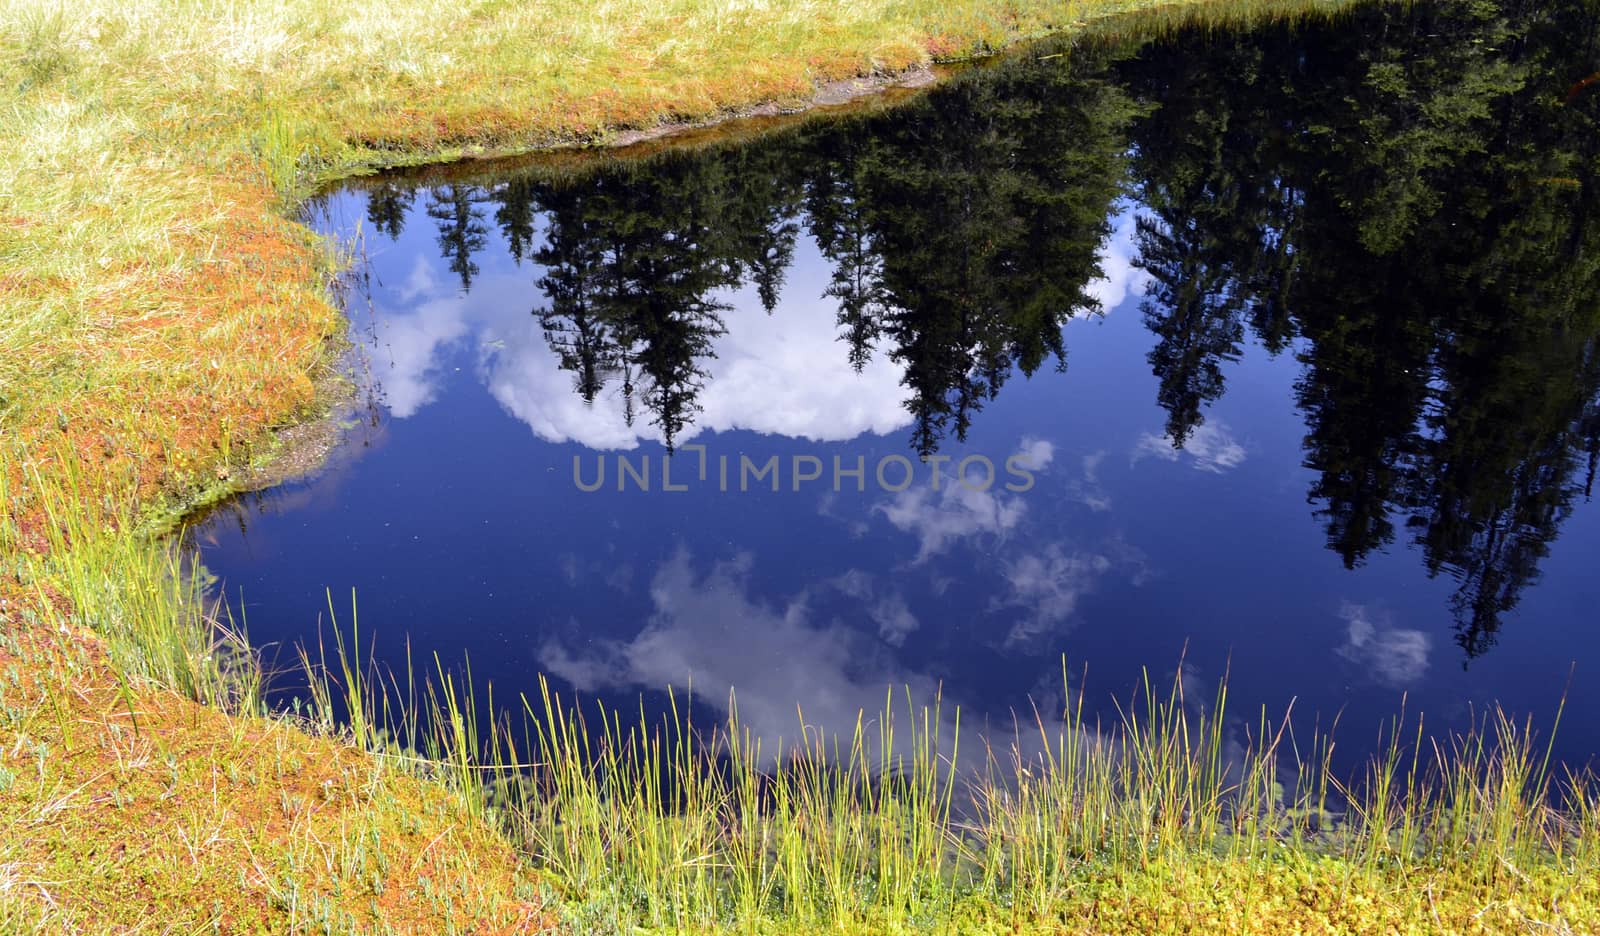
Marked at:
<point>453,513</point>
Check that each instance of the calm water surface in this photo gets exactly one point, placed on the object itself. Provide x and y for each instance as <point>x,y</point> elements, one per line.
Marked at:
<point>1290,337</point>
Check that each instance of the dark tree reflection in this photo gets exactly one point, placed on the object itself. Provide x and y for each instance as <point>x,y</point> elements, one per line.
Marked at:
<point>1410,194</point>
<point>1401,199</point>
<point>987,204</point>
<point>456,211</point>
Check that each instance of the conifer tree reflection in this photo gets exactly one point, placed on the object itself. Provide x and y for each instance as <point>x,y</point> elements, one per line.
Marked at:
<point>836,217</point>
<point>457,213</point>
<point>987,203</point>
<point>1218,218</point>
<point>388,203</point>
<point>632,261</point>
<point>575,321</point>
<point>1400,198</point>
<point>516,214</point>
<point>759,216</point>
<point>1505,450</point>
<point>1437,261</point>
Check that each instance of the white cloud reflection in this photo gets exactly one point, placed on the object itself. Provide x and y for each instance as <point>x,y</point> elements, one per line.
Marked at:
<point>1210,447</point>
<point>1088,490</point>
<point>788,670</point>
<point>1047,586</point>
<point>957,511</point>
<point>886,607</point>
<point>1120,278</point>
<point>404,346</point>
<point>783,373</point>
<point>1394,656</point>
<point>791,674</point>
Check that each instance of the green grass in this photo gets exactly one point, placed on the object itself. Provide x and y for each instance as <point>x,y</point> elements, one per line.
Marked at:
<point>908,823</point>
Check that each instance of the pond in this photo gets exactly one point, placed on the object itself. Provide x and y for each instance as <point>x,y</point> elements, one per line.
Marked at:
<point>1270,354</point>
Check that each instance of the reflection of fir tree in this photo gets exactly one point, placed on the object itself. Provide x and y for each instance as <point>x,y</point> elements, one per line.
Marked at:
<point>1508,436</point>
<point>837,221</point>
<point>516,208</point>
<point>665,265</point>
<point>758,216</point>
<point>633,259</point>
<point>388,202</point>
<point>575,283</point>
<point>456,212</point>
<point>988,202</point>
<point>1361,391</point>
<point>1421,224</point>
<point>1216,221</point>
<point>1194,311</point>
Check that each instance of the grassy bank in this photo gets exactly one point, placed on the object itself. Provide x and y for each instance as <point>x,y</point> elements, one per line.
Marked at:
<point>145,787</point>
<point>160,318</point>
<point>1162,821</point>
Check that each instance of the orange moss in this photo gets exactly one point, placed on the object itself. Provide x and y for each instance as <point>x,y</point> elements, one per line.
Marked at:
<point>162,807</point>
<point>214,355</point>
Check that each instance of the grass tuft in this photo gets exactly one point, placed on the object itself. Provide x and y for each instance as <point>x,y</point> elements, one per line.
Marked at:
<point>901,824</point>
